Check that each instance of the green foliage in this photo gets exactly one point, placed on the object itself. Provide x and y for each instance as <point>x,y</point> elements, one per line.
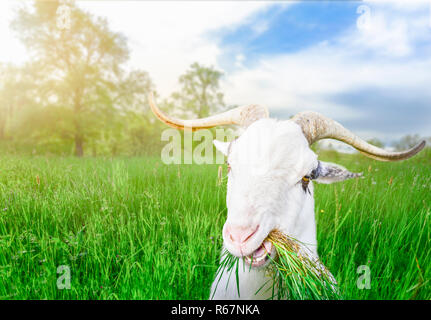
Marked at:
<point>406,142</point>
<point>376,142</point>
<point>133,228</point>
<point>74,90</point>
<point>200,94</point>
<point>74,96</point>
<point>15,91</point>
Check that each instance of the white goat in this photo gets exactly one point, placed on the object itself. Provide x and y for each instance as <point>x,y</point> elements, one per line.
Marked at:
<point>269,186</point>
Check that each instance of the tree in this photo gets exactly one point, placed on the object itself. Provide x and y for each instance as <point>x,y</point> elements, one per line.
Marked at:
<point>17,93</point>
<point>406,142</point>
<point>131,127</point>
<point>376,142</point>
<point>81,65</point>
<point>9,78</point>
<point>200,94</point>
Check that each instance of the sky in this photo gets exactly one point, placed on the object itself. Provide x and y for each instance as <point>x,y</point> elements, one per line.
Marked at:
<point>366,64</point>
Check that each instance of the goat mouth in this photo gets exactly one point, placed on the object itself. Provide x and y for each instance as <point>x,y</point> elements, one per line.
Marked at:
<point>261,256</point>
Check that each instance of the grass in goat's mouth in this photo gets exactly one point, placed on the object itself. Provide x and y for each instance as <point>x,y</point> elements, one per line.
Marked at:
<point>260,256</point>
<point>294,274</point>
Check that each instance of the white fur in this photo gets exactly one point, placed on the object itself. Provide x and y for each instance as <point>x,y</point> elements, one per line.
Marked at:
<point>264,188</point>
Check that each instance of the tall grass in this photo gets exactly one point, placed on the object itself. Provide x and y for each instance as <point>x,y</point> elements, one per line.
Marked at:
<point>133,228</point>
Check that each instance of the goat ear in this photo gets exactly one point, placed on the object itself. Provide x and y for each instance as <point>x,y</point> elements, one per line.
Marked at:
<point>331,172</point>
<point>221,146</point>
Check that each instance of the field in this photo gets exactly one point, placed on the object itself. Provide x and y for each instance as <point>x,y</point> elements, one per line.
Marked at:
<point>134,228</point>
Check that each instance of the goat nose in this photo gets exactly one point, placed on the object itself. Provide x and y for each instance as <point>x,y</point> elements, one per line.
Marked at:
<point>240,234</point>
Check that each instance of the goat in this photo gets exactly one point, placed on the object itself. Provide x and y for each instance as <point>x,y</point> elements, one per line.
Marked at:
<point>270,186</point>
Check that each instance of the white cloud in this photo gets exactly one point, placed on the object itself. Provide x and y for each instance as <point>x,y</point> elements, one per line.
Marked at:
<point>392,28</point>
<point>388,37</point>
<point>260,27</point>
<point>239,60</point>
<point>167,36</point>
<point>382,57</point>
<point>400,5</point>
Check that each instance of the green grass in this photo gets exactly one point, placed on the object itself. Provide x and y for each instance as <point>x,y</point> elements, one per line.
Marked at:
<point>133,228</point>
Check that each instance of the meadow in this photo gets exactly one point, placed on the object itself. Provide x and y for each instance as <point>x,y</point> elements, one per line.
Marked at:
<point>134,228</point>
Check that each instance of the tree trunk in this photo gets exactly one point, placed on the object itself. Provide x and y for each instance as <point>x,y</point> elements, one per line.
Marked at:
<point>79,141</point>
<point>2,127</point>
<point>79,145</point>
<point>6,112</point>
<point>203,103</point>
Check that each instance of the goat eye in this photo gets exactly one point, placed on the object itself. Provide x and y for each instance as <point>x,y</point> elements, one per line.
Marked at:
<point>304,182</point>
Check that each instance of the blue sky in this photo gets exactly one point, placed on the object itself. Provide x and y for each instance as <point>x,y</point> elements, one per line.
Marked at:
<point>282,29</point>
<point>291,56</point>
<point>377,81</point>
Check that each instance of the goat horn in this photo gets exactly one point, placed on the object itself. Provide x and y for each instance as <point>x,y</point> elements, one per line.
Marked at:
<point>243,116</point>
<point>316,126</point>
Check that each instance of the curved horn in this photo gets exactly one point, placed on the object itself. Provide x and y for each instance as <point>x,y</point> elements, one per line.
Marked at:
<point>243,116</point>
<point>316,126</point>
